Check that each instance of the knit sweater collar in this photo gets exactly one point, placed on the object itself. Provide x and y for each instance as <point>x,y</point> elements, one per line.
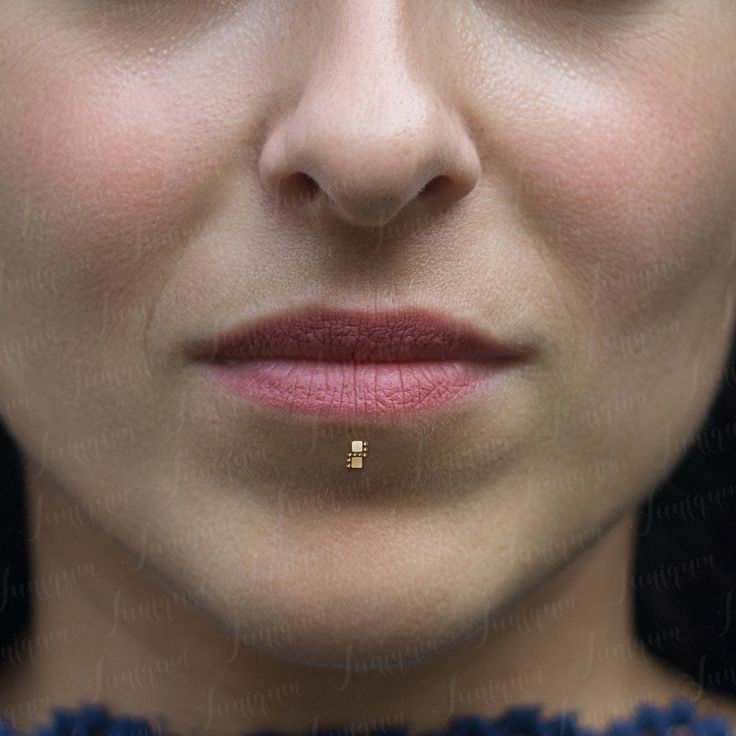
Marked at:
<point>678,718</point>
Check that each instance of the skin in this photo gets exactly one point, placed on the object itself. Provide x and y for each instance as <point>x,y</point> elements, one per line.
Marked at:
<point>213,560</point>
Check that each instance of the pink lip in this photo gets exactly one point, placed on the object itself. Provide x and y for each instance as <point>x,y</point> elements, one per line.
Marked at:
<point>355,363</point>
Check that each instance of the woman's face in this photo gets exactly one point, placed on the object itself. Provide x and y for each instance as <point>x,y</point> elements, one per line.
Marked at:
<point>150,198</point>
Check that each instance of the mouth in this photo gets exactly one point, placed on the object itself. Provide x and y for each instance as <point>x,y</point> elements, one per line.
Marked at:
<point>356,363</point>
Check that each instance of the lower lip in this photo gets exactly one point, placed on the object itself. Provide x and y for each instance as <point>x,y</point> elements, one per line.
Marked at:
<point>333,389</point>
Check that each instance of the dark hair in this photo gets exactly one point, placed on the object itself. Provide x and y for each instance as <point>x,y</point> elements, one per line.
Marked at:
<point>685,569</point>
<point>684,562</point>
<point>15,584</point>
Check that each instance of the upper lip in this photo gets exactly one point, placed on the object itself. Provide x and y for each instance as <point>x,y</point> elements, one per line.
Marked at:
<point>322,333</point>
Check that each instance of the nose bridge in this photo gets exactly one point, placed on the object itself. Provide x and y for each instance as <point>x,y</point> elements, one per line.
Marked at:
<point>363,117</point>
<point>369,130</point>
<point>367,63</point>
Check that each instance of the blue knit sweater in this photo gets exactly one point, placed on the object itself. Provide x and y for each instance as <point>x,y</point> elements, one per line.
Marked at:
<point>647,720</point>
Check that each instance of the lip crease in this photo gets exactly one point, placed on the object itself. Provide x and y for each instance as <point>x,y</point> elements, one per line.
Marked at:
<point>327,361</point>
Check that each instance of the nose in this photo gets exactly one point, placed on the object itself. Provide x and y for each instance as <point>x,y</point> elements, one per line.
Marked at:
<point>367,135</point>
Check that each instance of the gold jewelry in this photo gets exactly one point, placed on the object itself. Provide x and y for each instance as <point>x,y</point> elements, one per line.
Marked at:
<point>358,450</point>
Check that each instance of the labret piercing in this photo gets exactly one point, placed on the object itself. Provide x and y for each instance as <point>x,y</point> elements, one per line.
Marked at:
<point>358,450</point>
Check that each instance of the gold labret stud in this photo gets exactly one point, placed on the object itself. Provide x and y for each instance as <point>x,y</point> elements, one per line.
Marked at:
<point>358,450</point>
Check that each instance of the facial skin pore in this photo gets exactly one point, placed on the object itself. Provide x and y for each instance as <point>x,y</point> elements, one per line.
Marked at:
<point>148,197</point>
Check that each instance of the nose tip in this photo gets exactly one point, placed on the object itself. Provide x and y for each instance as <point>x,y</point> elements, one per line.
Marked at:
<point>370,167</point>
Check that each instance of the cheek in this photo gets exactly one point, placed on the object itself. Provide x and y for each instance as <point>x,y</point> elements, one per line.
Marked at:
<point>633,186</point>
<point>101,183</point>
<point>99,176</point>
<point>629,185</point>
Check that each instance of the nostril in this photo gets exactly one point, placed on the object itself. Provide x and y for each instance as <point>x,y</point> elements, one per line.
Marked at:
<point>298,188</point>
<point>310,185</point>
<point>434,186</point>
